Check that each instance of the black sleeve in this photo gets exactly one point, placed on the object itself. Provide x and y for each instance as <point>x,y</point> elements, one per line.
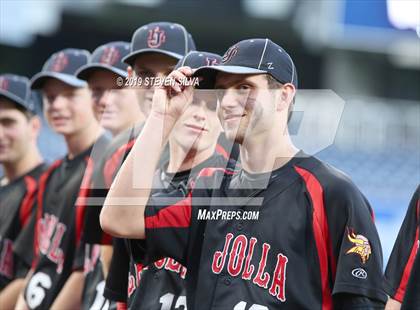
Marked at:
<point>402,256</point>
<point>356,253</point>
<point>354,302</point>
<point>116,286</point>
<point>412,296</point>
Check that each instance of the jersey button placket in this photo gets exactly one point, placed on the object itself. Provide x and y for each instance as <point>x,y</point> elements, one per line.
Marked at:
<point>227,281</point>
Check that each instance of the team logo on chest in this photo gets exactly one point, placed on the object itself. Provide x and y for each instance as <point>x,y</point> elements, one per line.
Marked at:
<point>50,235</point>
<point>361,246</point>
<point>156,38</point>
<point>134,280</point>
<point>237,255</point>
<point>171,265</point>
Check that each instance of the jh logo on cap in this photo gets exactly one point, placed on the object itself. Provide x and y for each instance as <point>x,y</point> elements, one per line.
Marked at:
<point>156,38</point>
<point>230,54</point>
<point>110,56</point>
<point>60,62</point>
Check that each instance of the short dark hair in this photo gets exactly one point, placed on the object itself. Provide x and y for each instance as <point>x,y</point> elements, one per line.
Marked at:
<point>28,113</point>
<point>274,84</point>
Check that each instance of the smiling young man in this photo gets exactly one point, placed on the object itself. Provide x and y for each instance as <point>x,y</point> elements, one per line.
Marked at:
<point>23,165</point>
<point>115,106</point>
<point>313,245</point>
<point>116,109</point>
<point>154,51</point>
<point>68,108</point>
<point>192,146</point>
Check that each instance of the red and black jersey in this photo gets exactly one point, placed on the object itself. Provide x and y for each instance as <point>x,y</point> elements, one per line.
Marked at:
<point>58,226</point>
<point>116,287</point>
<point>412,296</point>
<point>93,297</point>
<point>93,237</point>
<point>403,255</point>
<point>104,174</point>
<point>17,208</point>
<point>309,244</point>
<point>155,285</point>
<point>107,169</point>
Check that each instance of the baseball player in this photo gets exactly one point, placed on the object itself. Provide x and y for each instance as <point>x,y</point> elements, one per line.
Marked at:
<point>115,105</point>
<point>411,299</point>
<point>68,108</point>
<point>151,287</point>
<point>401,261</point>
<point>117,110</point>
<point>155,49</point>
<point>23,165</point>
<point>310,241</point>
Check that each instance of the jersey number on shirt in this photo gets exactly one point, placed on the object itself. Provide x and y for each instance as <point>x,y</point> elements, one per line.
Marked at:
<point>167,300</point>
<point>35,293</point>
<point>100,303</point>
<point>242,306</point>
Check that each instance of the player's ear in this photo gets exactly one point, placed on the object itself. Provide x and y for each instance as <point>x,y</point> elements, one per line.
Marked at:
<point>35,126</point>
<point>284,96</point>
<point>130,71</point>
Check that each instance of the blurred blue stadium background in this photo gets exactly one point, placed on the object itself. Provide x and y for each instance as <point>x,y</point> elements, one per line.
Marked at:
<point>367,52</point>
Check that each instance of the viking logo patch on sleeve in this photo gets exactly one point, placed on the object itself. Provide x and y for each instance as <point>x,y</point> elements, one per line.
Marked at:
<point>361,246</point>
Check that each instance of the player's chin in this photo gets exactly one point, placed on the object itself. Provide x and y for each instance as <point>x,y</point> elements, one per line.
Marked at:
<point>5,157</point>
<point>109,123</point>
<point>64,130</point>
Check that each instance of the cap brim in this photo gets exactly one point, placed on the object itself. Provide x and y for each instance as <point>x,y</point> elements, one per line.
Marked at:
<point>13,98</point>
<point>129,59</point>
<point>39,79</point>
<point>209,73</point>
<point>85,71</point>
<point>228,69</point>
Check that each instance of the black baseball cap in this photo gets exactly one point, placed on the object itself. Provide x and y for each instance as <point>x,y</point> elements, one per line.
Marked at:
<point>171,39</point>
<point>254,56</point>
<point>107,57</point>
<point>16,89</point>
<point>62,66</point>
<point>197,59</point>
